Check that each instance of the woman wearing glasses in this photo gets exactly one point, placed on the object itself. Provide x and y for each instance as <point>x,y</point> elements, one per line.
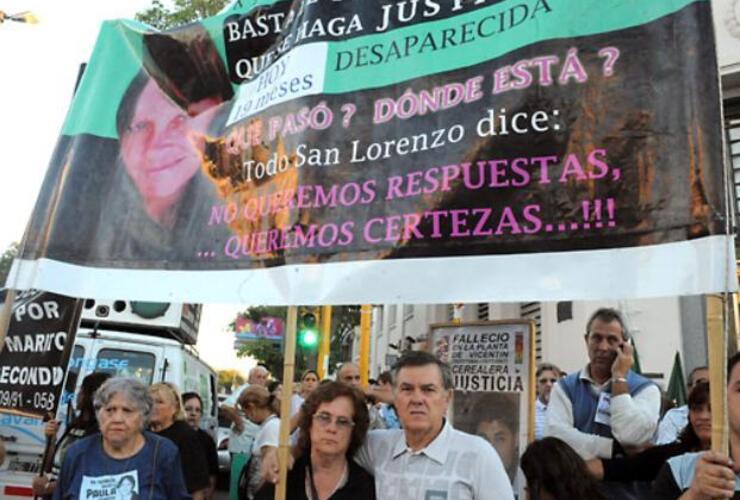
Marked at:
<point>332,427</point>
<point>547,376</point>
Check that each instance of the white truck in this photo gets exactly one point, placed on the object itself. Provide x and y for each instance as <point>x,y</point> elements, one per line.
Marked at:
<point>149,341</point>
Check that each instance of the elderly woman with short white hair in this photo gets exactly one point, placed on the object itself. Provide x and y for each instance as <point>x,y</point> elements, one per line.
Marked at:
<point>94,466</point>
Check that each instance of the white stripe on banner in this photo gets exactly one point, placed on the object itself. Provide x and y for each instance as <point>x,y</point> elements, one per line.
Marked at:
<point>704,265</point>
<point>298,73</point>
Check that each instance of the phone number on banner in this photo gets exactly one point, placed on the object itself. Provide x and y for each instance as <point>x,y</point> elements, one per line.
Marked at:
<point>14,399</point>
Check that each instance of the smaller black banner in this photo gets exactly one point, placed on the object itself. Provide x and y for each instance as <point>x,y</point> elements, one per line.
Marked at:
<point>37,346</point>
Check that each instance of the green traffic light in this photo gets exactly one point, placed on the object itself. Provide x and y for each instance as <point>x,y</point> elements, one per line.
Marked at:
<point>308,338</point>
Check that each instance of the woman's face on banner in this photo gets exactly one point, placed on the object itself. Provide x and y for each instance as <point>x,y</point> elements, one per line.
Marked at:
<point>158,149</point>
<point>503,439</point>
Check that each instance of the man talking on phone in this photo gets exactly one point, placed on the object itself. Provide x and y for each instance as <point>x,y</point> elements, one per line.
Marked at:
<point>605,409</point>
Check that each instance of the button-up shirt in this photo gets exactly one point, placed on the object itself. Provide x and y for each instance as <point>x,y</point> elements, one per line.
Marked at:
<point>454,466</point>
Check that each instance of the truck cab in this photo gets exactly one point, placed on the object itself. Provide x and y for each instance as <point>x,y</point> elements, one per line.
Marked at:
<point>148,353</point>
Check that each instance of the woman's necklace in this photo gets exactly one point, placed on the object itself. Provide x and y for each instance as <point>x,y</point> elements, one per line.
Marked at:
<point>311,486</point>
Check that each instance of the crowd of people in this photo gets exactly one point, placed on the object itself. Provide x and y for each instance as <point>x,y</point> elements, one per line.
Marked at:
<point>599,435</point>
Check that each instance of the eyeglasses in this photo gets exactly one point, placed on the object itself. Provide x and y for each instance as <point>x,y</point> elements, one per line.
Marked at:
<point>324,419</point>
<point>544,380</point>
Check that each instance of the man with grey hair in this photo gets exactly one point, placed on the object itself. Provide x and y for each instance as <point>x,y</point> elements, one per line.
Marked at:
<point>243,430</point>
<point>427,459</point>
<point>605,408</point>
<point>349,373</point>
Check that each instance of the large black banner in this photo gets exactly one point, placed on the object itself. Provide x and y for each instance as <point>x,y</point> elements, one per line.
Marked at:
<point>36,351</point>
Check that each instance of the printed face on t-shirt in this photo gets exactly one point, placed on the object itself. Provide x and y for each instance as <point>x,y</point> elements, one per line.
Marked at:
<point>121,486</point>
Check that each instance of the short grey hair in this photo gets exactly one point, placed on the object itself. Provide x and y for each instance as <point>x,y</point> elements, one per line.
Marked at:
<point>608,315</point>
<point>254,371</point>
<point>423,358</point>
<point>132,390</point>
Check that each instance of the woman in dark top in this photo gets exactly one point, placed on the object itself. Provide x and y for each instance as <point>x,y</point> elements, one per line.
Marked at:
<point>333,425</point>
<point>193,405</point>
<point>167,420</point>
<point>644,466</point>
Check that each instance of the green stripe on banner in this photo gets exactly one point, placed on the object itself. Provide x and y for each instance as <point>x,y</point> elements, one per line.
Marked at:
<point>117,55</point>
<point>546,20</point>
<point>113,64</point>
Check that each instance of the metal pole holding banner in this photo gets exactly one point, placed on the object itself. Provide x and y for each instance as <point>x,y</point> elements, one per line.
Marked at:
<point>322,365</point>
<point>366,312</point>
<point>717,349</point>
<point>288,374</point>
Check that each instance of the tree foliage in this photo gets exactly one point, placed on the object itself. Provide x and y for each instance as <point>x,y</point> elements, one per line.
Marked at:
<point>6,260</point>
<point>183,12</point>
<point>229,379</point>
<point>344,321</point>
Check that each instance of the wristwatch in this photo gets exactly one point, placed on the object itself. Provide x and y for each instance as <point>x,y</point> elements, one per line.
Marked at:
<point>619,379</point>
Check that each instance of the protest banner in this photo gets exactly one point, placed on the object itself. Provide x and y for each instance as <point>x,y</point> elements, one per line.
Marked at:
<point>324,153</point>
<point>493,367</point>
<point>36,351</point>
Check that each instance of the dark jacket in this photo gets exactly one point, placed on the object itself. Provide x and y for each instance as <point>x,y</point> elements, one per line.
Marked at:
<point>360,485</point>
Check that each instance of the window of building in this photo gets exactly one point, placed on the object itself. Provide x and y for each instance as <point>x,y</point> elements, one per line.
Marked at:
<point>482,311</point>
<point>564,311</point>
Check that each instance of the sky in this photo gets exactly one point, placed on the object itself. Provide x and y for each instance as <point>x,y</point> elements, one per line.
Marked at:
<point>38,70</point>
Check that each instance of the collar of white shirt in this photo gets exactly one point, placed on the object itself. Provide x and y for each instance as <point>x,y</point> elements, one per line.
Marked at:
<point>585,375</point>
<point>436,450</point>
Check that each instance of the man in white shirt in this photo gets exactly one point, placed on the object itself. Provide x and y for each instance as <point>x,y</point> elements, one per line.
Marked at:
<point>605,407</point>
<point>428,459</point>
<point>547,376</point>
<point>675,419</point>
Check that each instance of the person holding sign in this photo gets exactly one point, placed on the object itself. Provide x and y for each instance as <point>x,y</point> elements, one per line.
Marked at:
<point>333,425</point>
<point>707,475</point>
<point>605,407</point>
<point>84,424</point>
<point>95,466</point>
<point>428,459</point>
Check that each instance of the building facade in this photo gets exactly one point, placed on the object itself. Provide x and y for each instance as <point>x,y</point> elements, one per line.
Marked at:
<point>659,327</point>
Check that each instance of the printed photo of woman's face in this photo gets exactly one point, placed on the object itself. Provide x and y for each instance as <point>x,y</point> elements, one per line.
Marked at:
<point>158,147</point>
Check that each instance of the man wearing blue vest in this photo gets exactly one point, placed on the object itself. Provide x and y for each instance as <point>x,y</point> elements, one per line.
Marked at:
<point>605,408</point>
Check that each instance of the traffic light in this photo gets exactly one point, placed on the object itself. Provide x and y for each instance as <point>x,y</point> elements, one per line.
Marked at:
<point>308,328</point>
